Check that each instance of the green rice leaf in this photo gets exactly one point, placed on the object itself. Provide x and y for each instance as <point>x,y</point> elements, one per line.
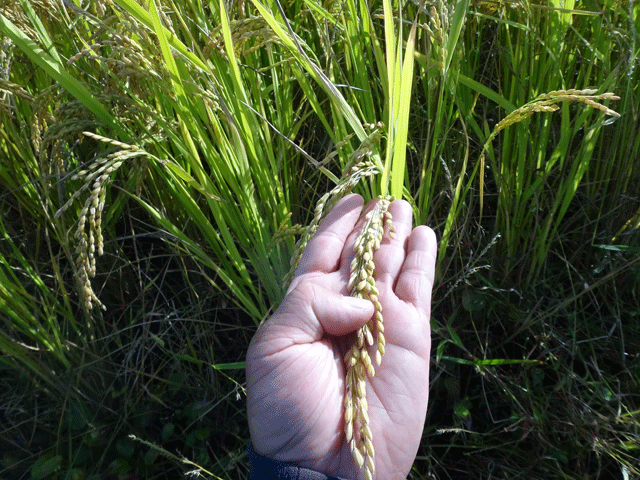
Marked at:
<point>618,248</point>
<point>228,46</point>
<point>404,102</point>
<point>390,44</point>
<point>456,22</point>
<point>229,366</point>
<point>293,45</point>
<point>145,18</point>
<point>43,35</point>
<point>490,362</point>
<point>56,70</point>
<point>176,81</point>
<point>487,92</point>
<point>192,182</point>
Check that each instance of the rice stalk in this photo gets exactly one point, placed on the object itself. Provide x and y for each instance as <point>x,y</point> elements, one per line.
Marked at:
<point>362,284</point>
<point>510,183</point>
<point>50,61</point>
<point>88,234</point>
<point>248,35</point>
<point>546,102</point>
<point>437,29</point>
<point>359,166</point>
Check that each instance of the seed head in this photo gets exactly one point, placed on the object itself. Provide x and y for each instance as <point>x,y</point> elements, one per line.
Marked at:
<point>359,365</point>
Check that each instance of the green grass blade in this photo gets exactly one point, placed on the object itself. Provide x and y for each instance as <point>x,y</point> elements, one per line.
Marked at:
<point>404,102</point>
<point>57,71</point>
<point>176,81</point>
<point>303,60</point>
<point>43,35</point>
<point>239,286</point>
<point>456,23</point>
<point>390,46</point>
<point>487,92</point>
<point>140,14</point>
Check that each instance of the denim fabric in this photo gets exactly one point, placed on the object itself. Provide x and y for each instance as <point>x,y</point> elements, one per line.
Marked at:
<point>263,468</point>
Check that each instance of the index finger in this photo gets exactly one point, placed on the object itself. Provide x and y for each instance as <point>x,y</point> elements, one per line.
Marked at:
<point>325,247</point>
<point>415,281</point>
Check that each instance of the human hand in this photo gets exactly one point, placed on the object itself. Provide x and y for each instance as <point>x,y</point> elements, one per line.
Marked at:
<point>295,367</point>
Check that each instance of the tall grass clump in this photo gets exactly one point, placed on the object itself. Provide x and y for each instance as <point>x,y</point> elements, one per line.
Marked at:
<point>522,181</point>
<point>162,165</point>
<point>164,151</point>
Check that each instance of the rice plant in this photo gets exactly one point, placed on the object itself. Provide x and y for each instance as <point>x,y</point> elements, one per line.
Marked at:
<point>158,166</point>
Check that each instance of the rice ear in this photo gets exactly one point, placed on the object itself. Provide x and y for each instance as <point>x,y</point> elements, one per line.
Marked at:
<point>358,361</point>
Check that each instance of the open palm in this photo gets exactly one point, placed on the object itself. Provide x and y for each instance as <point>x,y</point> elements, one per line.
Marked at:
<point>295,367</point>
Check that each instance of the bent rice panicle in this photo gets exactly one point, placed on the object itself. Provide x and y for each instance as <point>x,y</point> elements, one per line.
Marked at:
<point>362,285</point>
<point>96,178</point>
<point>358,362</point>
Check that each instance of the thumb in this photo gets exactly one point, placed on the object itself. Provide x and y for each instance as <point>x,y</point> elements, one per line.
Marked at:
<point>310,311</point>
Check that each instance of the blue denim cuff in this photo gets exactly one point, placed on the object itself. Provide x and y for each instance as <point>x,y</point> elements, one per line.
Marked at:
<point>263,468</point>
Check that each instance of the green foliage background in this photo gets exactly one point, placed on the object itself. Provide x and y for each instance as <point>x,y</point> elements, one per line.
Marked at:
<point>159,160</point>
